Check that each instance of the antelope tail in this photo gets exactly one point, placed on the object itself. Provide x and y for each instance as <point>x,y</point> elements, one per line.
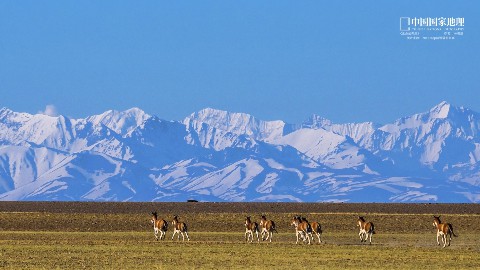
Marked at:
<point>373,229</point>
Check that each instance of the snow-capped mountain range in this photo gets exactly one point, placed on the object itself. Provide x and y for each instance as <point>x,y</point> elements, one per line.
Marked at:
<point>215,155</point>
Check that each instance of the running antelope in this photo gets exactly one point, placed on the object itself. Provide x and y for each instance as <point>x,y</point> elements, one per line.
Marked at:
<point>250,228</point>
<point>444,230</point>
<point>268,226</point>
<point>180,228</point>
<point>159,225</point>
<point>366,229</point>
<point>316,229</point>
<point>302,228</point>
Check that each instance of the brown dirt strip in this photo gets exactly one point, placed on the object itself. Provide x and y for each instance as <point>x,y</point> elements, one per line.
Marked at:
<point>210,207</point>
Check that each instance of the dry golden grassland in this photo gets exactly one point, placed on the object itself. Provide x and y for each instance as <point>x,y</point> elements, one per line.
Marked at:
<point>61,240</point>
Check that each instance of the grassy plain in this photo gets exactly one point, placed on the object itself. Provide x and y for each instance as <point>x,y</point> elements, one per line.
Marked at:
<point>63,240</point>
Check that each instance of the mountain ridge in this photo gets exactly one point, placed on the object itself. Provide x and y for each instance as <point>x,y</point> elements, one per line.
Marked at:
<point>215,155</point>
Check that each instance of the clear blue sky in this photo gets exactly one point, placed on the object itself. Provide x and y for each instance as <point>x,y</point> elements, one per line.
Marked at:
<point>344,60</point>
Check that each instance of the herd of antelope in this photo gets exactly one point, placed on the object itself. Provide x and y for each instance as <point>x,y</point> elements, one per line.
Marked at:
<point>304,229</point>
<point>161,226</point>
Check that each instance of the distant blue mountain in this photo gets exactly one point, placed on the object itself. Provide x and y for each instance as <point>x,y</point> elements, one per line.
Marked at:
<point>215,155</point>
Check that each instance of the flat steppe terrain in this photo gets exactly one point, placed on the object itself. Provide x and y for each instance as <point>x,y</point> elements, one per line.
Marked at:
<point>92,235</point>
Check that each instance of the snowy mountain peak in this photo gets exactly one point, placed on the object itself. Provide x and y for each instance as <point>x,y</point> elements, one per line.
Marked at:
<point>134,111</point>
<point>424,120</point>
<point>5,110</point>
<point>356,131</point>
<point>316,121</point>
<point>8,115</point>
<point>445,110</point>
<point>441,110</point>
<point>238,123</point>
<point>122,122</point>
<point>222,119</point>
